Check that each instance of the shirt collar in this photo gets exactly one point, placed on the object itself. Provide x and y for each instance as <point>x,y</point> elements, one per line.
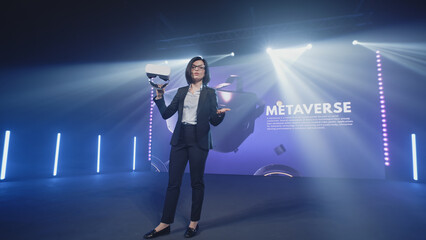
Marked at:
<point>201,88</point>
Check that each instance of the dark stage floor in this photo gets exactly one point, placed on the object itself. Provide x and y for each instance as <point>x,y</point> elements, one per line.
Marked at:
<point>127,205</point>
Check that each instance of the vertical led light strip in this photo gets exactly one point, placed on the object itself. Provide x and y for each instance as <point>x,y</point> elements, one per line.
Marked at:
<point>5,152</point>
<point>99,154</point>
<point>150,124</point>
<point>383,109</point>
<point>414,152</point>
<point>58,142</point>
<point>134,153</point>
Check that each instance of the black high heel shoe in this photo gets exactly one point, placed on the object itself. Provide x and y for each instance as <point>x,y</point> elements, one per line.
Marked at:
<point>190,232</point>
<point>154,234</point>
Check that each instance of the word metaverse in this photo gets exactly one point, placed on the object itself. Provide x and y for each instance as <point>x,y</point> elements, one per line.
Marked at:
<point>313,108</point>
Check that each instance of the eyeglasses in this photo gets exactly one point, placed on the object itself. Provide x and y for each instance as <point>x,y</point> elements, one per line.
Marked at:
<point>201,67</point>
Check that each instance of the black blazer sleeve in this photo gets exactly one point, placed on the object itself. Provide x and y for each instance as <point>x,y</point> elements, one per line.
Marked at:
<point>167,112</point>
<point>215,119</point>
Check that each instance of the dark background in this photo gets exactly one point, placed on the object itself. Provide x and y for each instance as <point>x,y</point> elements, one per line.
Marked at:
<point>48,48</point>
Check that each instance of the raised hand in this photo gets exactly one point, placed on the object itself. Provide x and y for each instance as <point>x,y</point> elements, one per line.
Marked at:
<point>160,91</point>
<point>222,110</point>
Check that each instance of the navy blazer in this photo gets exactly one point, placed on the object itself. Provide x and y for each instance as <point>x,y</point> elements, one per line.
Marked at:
<point>206,113</point>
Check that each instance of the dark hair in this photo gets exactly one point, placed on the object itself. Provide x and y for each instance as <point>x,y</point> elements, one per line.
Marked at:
<point>188,77</point>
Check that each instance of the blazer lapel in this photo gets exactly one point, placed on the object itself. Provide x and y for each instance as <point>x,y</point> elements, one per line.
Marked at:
<point>182,99</point>
<point>203,96</point>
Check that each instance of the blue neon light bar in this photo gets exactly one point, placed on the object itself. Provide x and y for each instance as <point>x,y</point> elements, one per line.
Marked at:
<point>5,152</point>
<point>58,142</point>
<point>99,153</point>
<point>134,153</point>
<point>414,152</point>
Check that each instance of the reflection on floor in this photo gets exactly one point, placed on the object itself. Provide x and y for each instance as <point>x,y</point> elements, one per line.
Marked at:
<point>127,205</point>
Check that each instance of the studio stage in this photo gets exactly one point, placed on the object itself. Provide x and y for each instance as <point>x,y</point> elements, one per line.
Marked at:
<point>127,205</point>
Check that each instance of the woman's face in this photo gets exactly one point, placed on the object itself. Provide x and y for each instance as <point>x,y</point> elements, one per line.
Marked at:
<point>197,71</point>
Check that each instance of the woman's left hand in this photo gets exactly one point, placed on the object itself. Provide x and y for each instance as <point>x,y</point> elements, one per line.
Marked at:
<point>222,110</point>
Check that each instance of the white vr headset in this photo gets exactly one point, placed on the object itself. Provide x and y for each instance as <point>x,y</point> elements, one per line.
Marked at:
<point>161,71</point>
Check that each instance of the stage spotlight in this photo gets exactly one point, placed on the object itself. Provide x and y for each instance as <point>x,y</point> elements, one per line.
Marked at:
<point>309,46</point>
<point>268,50</point>
<point>355,42</point>
<point>232,54</point>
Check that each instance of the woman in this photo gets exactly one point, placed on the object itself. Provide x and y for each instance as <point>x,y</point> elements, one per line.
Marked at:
<point>196,105</point>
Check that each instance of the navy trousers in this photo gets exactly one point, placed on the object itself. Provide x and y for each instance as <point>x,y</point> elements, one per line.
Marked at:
<point>186,150</point>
